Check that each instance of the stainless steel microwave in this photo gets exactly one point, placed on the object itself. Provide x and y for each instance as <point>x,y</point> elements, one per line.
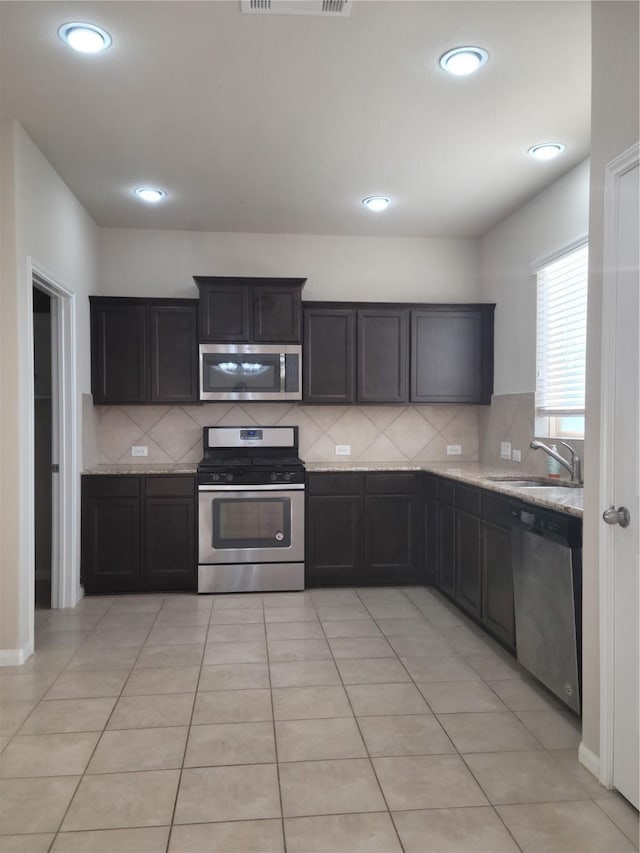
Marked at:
<point>250,372</point>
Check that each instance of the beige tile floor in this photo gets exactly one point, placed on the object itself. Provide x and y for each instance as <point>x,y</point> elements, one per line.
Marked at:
<point>341,721</point>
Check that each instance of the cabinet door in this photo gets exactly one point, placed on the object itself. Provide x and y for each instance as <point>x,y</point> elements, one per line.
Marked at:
<point>431,539</point>
<point>224,313</point>
<point>451,356</point>
<point>119,353</point>
<point>383,355</point>
<point>468,574</point>
<point>390,540</point>
<point>169,543</point>
<point>446,548</point>
<point>276,314</point>
<point>333,540</point>
<point>497,582</point>
<point>174,354</point>
<point>328,362</point>
<point>111,545</point>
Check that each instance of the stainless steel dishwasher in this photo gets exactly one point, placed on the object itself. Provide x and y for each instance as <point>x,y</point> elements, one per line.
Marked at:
<point>546,549</point>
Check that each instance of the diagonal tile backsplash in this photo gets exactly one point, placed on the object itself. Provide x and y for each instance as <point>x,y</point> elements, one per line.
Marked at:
<point>374,433</point>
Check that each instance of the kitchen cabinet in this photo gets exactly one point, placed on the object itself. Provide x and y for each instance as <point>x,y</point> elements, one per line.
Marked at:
<point>473,552</point>
<point>467,549</point>
<point>355,355</point>
<point>138,533</point>
<point>363,529</point>
<point>250,310</point>
<point>391,542</point>
<point>383,356</point>
<point>143,350</point>
<point>397,353</point>
<point>328,364</point>
<point>452,354</point>
<point>430,527</point>
<point>497,571</point>
<point>334,529</point>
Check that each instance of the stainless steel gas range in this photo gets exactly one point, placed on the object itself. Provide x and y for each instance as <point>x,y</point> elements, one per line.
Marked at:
<point>250,510</point>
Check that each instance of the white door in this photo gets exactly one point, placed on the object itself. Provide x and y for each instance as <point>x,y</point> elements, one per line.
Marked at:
<point>625,433</point>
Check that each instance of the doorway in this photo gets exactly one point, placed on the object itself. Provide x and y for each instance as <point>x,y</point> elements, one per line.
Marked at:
<point>620,479</point>
<point>52,493</point>
<point>43,450</point>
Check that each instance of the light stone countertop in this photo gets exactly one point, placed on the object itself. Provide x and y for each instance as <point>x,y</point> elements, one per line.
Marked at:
<point>560,498</point>
<point>150,468</point>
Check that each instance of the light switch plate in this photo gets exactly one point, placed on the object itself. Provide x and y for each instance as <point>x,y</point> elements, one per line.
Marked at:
<point>139,450</point>
<point>516,455</point>
<point>454,450</point>
<point>505,450</point>
<point>343,449</point>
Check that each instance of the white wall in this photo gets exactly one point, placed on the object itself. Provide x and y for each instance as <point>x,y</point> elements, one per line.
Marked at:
<point>553,219</point>
<point>41,220</point>
<point>162,263</point>
<point>615,126</point>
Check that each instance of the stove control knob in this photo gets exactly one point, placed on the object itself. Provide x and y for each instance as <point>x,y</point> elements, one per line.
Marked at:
<point>229,478</point>
<point>215,477</point>
<point>274,477</point>
<point>287,476</point>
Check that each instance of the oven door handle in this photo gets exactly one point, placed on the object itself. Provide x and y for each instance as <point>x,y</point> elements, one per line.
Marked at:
<point>268,487</point>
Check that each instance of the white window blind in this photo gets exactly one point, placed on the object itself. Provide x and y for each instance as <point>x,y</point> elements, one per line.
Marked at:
<point>562,334</point>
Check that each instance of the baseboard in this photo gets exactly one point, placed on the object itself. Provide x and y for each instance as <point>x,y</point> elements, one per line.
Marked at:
<point>589,760</point>
<point>15,657</point>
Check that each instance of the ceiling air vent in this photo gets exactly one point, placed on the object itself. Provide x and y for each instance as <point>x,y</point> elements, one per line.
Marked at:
<point>297,7</point>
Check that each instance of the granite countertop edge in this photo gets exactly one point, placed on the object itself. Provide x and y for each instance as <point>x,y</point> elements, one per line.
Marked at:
<point>561,498</point>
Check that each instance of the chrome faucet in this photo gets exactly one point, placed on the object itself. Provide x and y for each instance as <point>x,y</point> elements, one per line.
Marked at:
<point>573,467</point>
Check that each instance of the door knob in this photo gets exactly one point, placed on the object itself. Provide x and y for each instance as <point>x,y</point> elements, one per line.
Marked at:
<point>617,516</point>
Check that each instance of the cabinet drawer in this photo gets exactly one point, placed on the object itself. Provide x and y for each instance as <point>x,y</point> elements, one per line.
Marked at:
<point>446,492</point>
<point>177,486</point>
<point>334,484</point>
<point>496,509</point>
<point>105,486</point>
<point>390,484</point>
<point>468,499</point>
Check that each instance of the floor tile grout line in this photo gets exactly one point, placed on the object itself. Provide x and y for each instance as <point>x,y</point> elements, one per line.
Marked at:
<point>619,828</point>
<point>275,736</point>
<point>366,748</point>
<point>188,737</point>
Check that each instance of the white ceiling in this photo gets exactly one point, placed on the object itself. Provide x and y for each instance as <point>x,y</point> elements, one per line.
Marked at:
<point>281,124</point>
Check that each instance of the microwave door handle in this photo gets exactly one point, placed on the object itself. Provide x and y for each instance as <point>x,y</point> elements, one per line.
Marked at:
<point>283,371</point>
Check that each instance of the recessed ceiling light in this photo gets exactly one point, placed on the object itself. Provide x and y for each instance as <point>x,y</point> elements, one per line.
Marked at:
<point>376,203</point>
<point>547,150</point>
<point>150,194</point>
<point>86,38</point>
<point>463,60</point>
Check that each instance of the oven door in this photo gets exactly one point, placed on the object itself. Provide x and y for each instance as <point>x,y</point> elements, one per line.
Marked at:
<point>251,524</point>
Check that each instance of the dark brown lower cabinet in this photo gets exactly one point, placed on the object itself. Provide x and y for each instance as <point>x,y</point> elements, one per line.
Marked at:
<point>472,552</point>
<point>468,571</point>
<point>334,541</point>
<point>390,540</point>
<point>447,548</point>
<point>138,533</point>
<point>362,529</point>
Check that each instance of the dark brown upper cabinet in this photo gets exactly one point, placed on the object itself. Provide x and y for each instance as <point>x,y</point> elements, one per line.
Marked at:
<point>452,354</point>
<point>250,310</point>
<point>383,356</point>
<point>329,356</point>
<point>143,350</point>
<point>397,353</point>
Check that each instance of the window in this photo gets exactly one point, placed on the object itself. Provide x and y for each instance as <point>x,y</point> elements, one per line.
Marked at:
<point>561,344</point>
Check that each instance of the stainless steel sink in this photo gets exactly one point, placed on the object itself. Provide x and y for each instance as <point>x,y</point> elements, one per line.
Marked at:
<point>535,484</point>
